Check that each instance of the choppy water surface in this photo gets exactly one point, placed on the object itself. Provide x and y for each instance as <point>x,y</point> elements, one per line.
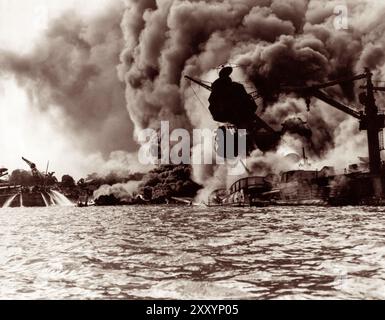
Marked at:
<point>192,253</point>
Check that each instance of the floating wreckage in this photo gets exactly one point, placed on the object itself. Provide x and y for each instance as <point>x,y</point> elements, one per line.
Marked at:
<point>362,185</point>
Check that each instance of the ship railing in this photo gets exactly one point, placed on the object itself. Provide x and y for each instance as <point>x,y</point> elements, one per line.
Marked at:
<point>247,183</point>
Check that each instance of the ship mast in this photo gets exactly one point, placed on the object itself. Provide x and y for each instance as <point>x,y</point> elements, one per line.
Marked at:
<point>261,123</point>
<point>370,120</point>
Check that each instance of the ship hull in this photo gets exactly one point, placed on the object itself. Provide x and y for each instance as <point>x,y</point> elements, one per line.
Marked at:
<point>302,188</point>
<point>29,200</point>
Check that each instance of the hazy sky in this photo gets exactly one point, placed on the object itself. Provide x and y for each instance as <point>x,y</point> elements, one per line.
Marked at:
<point>22,21</point>
<point>23,130</point>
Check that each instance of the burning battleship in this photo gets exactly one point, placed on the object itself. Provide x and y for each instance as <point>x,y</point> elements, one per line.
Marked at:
<point>41,192</point>
<point>232,106</point>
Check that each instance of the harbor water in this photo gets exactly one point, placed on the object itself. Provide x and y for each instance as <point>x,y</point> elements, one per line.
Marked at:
<point>192,253</point>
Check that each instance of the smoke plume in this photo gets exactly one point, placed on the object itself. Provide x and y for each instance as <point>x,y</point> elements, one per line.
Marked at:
<point>275,43</point>
<point>71,73</point>
<point>121,191</point>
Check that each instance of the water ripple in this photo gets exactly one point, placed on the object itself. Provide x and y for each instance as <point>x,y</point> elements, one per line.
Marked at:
<point>174,253</point>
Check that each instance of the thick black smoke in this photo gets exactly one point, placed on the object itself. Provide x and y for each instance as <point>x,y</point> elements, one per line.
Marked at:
<point>169,181</point>
<point>274,42</point>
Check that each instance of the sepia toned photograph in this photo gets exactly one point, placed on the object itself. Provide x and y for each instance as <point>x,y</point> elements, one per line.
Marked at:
<point>192,150</point>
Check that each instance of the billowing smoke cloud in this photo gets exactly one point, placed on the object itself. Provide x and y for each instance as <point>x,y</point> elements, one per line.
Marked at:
<point>118,163</point>
<point>121,191</point>
<point>276,43</point>
<point>72,72</point>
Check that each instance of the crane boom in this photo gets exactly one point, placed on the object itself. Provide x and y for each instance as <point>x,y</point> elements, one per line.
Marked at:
<point>370,120</point>
<point>339,81</point>
<point>200,83</point>
<point>34,170</point>
<point>30,163</point>
<point>329,100</point>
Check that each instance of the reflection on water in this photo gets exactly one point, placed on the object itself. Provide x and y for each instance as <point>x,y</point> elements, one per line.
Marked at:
<point>194,253</point>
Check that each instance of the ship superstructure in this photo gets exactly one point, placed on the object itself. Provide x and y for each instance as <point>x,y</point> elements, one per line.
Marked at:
<point>302,186</point>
